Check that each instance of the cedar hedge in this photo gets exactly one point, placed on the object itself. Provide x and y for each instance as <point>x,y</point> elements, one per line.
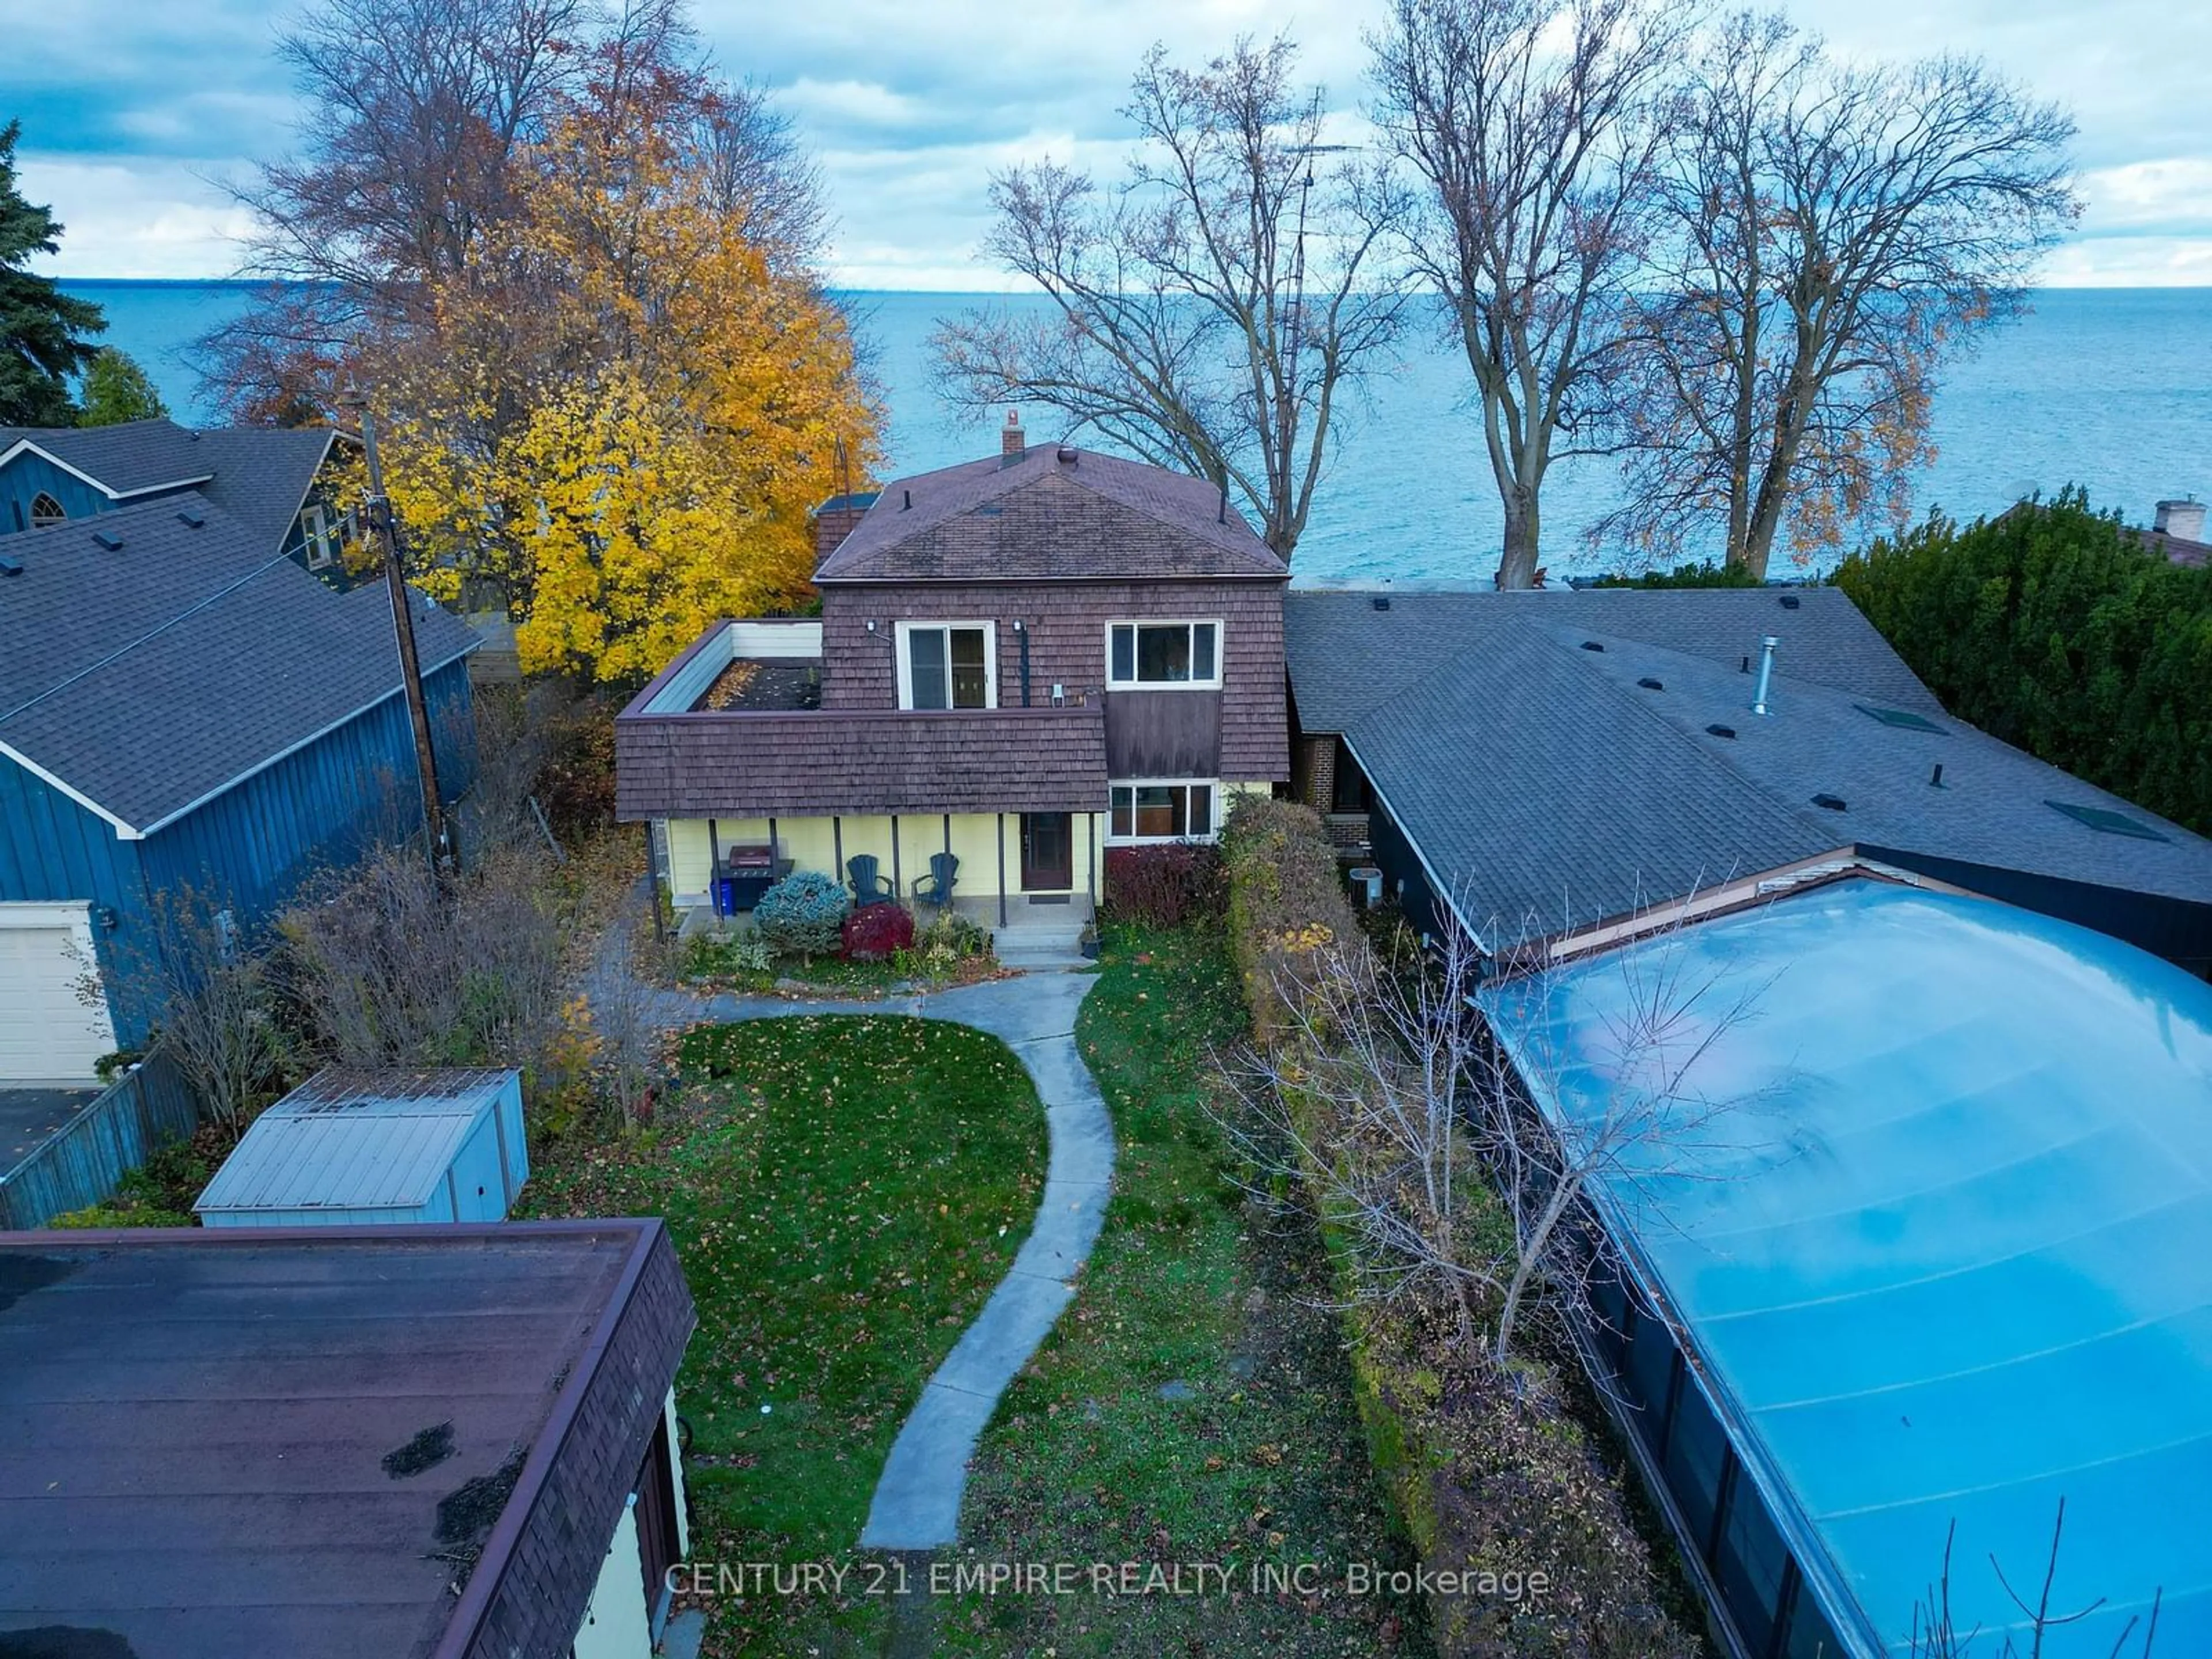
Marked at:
<point>1491,1472</point>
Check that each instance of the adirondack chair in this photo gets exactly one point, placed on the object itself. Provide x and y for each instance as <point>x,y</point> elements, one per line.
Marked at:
<point>936,887</point>
<point>868,887</point>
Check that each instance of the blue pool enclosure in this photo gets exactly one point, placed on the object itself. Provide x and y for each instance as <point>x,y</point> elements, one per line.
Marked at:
<point>1920,1237</point>
<point>354,1148</point>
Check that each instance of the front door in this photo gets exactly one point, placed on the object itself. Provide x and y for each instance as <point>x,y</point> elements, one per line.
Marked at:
<point>1048,852</point>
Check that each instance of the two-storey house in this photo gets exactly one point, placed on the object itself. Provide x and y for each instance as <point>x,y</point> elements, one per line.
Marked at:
<point>1021,661</point>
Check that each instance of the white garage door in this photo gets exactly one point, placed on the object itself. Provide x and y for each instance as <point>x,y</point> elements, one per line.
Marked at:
<point>47,1034</point>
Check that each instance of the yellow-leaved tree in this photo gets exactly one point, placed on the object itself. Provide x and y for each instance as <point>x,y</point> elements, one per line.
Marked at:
<point>622,410</point>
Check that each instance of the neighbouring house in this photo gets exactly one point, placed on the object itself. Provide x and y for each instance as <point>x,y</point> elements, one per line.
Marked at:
<point>2176,533</point>
<point>433,1443</point>
<point>351,1148</point>
<point>1559,768</point>
<point>276,482</point>
<point>1021,661</point>
<point>1901,1266</point>
<point>181,704</point>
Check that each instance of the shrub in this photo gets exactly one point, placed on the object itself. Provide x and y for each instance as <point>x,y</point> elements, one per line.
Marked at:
<point>1163,886</point>
<point>874,931</point>
<point>711,956</point>
<point>803,915</point>
<point>941,947</point>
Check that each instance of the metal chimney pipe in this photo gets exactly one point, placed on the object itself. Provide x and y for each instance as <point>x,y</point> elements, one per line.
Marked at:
<point>1765,673</point>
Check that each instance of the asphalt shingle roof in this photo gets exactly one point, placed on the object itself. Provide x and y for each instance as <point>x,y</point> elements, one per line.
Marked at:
<point>1546,787</point>
<point>130,456</point>
<point>1043,517</point>
<point>149,676</point>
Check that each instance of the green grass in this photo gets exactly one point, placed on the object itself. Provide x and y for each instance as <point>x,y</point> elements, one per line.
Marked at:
<point>844,1193</point>
<point>1189,1283</point>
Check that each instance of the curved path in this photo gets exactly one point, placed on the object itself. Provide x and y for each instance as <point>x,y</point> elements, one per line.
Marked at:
<point>917,1502</point>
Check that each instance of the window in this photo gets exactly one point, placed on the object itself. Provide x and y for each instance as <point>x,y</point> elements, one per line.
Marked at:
<point>45,511</point>
<point>1697,1456</point>
<point>1187,654</point>
<point>322,539</point>
<point>2106,822</point>
<point>1903,720</point>
<point>1752,1565</point>
<point>947,665</point>
<point>1180,810</point>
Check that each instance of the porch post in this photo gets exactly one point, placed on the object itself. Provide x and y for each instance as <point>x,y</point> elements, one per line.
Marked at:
<point>713,866</point>
<point>1090,857</point>
<point>898,883</point>
<point>837,846</point>
<point>1002,869</point>
<point>948,835</point>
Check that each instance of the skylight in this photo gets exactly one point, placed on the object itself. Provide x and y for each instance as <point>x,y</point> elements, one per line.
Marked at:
<point>1904,720</point>
<point>2106,822</point>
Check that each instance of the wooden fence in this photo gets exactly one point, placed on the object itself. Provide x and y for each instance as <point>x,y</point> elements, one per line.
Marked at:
<point>81,1161</point>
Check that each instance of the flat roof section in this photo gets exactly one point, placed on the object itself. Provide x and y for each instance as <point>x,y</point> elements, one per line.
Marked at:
<point>1939,1239</point>
<point>319,1441</point>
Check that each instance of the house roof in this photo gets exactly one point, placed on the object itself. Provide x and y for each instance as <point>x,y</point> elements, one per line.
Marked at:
<point>144,679</point>
<point>1547,790</point>
<point>1040,518</point>
<point>356,1140</point>
<point>260,476</point>
<point>295,1441</point>
<point>1936,1217</point>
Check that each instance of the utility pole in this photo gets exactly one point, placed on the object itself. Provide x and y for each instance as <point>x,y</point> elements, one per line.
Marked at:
<point>385,527</point>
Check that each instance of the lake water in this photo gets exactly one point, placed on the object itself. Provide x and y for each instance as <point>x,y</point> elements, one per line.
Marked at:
<point>2111,389</point>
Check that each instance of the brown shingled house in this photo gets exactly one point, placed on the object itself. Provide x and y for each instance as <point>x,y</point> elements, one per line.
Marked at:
<point>1020,661</point>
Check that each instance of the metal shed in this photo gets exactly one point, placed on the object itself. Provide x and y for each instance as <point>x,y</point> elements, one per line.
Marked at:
<point>356,1147</point>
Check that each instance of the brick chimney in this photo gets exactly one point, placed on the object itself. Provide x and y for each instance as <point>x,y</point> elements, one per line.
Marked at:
<point>1013,442</point>
<point>835,520</point>
<point>2183,518</point>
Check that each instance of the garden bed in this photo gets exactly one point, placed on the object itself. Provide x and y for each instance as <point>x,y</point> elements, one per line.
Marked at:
<point>844,1193</point>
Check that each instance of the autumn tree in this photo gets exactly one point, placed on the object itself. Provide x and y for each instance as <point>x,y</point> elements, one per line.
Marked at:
<point>1833,234</point>
<point>1533,127</point>
<point>616,417</point>
<point>1211,307</point>
<point>41,328</point>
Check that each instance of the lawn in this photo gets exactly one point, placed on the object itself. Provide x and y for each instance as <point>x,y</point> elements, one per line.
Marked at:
<point>845,1193</point>
<point>1253,1452</point>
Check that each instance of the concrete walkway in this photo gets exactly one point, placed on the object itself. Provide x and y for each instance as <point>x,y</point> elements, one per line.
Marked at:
<point>917,1502</point>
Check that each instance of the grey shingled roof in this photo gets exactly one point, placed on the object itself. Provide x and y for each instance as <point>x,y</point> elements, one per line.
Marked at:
<point>1546,789</point>
<point>132,455</point>
<point>150,677</point>
<point>257,475</point>
<point>1042,517</point>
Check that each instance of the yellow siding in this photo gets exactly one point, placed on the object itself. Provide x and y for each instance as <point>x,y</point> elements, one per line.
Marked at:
<point>810,844</point>
<point>975,844</point>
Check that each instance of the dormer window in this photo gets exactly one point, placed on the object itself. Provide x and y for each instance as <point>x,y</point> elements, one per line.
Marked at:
<point>46,511</point>
<point>947,665</point>
<point>322,539</point>
<point>1184,655</point>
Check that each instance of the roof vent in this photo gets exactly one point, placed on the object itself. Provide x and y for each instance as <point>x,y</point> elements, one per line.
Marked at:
<point>192,518</point>
<point>1380,601</point>
<point>1722,731</point>
<point>1592,645</point>
<point>1068,454</point>
<point>989,510</point>
<point>1790,601</point>
<point>108,539</point>
<point>1650,684</point>
<point>1833,803</point>
<point>11,567</point>
<point>907,501</point>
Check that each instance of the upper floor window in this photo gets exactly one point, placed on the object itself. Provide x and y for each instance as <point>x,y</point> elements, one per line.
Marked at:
<point>322,539</point>
<point>45,511</point>
<point>1170,653</point>
<point>947,665</point>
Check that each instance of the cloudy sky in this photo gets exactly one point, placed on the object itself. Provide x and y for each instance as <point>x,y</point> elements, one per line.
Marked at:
<point>131,108</point>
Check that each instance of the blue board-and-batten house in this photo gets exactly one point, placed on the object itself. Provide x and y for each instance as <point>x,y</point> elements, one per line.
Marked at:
<point>182,704</point>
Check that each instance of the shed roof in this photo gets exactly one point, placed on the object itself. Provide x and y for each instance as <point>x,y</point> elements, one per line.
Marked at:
<point>1042,517</point>
<point>1941,1236</point>
<point>149,676</point>
<point>356,1140</point>
<point>227,1441</point>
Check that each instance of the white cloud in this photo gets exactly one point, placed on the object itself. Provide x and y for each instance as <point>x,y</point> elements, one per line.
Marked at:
<point>152,219</point>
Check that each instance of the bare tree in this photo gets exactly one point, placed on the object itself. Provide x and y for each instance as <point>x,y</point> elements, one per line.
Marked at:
<point>1935,1632</point>
<point>1832,232</point>
<point>1211,308</point>
<point>204,990</point>
<point>1533,126</point>
<point>1414,1111</point>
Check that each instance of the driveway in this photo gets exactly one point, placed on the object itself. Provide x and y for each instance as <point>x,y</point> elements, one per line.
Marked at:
<point>28,1116</point>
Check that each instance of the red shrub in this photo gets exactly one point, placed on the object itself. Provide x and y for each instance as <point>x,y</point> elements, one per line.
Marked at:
<point>874,931</point>
<point>1165,884</point>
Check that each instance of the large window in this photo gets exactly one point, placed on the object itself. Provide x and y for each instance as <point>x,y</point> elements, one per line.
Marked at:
<point>45,511</point>
<point>947,665</point>
<point>1186,654</point>
<point>1179,811</point>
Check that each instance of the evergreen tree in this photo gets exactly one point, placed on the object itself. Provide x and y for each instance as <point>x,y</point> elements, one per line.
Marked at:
<point>117,390</point>
<point>40,325</point>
